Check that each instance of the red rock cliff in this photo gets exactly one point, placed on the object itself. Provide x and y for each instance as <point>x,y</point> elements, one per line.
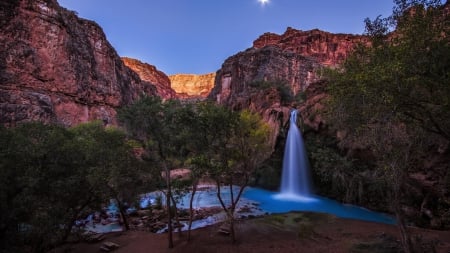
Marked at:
<point>294,59</point>
<point>56,67</point>
<point>326,48</point>
<point>151,74</point>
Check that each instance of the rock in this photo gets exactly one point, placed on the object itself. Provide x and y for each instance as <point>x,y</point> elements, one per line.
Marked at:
<point>225,229</point>
<point>58,68</point>
<point>192,86</point>
<point>151,74</point>
<point>109,246</point>
<point>295,60</point>
<point>328,49</point>
<point>92,236</point>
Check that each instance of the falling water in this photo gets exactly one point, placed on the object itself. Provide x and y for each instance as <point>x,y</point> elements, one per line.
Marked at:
<point>295,181</point>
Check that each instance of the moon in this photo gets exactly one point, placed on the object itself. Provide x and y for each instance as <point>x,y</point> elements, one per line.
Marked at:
<point>263,2</point>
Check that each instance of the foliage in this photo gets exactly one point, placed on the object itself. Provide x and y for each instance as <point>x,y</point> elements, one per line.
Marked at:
<point>163,127</point>
<point>116,171</point>
<point>403,77</point>
<point>53,176</point>
<point>392,97</point>
<point>242,153</point>
<point>342,178</point>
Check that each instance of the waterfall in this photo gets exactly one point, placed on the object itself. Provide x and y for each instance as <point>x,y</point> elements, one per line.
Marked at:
<point>295,181</point>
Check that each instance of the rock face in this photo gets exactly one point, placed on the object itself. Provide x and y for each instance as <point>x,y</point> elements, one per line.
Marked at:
<point>152,75</point>
<point>56,67</point>
<point>192,86</point>
<point>270,64</point>
<point>293,60</point>
<point>326,48</point>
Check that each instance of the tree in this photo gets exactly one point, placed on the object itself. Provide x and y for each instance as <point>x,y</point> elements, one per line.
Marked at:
<point>54,176</point>
<point>50,189</point>
<point>208,128</point>
<point>392,97</point>
<point>156,124</point>
<point>115,172</point>
<point>242,150</point>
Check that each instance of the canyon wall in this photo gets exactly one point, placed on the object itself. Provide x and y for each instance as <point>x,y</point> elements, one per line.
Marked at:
<point>56,67</point>
<point>329,49</point>
<point>192,86</point>
<point>294,61</point>
<point>152,75</point>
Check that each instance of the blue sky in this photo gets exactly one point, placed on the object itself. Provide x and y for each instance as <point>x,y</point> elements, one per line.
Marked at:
<point>196,36</point>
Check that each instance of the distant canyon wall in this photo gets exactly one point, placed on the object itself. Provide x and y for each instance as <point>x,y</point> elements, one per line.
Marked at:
<point>192,86</point>
<point>151,74</point>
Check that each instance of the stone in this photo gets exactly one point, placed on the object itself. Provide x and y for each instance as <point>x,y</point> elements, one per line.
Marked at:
<point>151,74</point>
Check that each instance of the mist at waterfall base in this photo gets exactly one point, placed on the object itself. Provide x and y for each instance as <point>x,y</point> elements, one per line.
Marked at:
<point>296,188</point>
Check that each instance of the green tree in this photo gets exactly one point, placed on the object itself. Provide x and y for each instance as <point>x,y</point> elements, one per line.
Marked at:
<point>243,149</point>
<point>51,191</point>
<point>156,124</point>
<point>393,96</point>
<point>55,176</point>
<point>208,128</point>
<point>114,171</point>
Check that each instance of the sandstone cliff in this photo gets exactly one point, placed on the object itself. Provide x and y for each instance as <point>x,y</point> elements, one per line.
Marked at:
<point>293,60</point>
<point>192,86</point>
<point>151,74</point>
<point>56,67</point>
<point>328,49</point>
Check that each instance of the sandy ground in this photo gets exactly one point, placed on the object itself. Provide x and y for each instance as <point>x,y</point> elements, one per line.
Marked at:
<point>294,232</point>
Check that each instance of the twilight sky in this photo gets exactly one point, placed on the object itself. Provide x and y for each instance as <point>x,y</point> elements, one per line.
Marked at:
<point>196,36</point>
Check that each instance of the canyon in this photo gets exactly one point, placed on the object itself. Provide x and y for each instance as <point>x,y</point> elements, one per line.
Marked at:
<point>58,68</point>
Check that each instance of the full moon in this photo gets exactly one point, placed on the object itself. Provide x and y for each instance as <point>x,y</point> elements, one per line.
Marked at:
<point>263,2</point>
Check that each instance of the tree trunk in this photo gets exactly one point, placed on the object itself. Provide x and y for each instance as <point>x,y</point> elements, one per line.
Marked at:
<point>69,226</point>
<point>191,209</point>
<point>169,215</point>
<point>232,232</point>
<point>231,213</point>
<point>177,218</point>
<point>404,235</point>
<point>397,188</point>
<point>123,215</point>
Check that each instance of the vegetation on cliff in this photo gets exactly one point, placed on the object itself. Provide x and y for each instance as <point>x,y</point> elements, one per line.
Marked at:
<point>392,99</point>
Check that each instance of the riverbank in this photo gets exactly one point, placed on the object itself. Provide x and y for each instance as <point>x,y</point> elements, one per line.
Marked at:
<point>293,232</point>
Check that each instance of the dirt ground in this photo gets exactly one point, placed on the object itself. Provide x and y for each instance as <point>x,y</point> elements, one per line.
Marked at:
<point>293,232</point>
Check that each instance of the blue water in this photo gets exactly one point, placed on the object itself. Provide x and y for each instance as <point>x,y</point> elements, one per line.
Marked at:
<point>263,201</point>
<point>271,203</point>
